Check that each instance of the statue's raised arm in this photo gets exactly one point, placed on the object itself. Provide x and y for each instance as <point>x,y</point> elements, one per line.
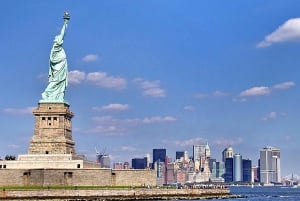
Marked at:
<point>58,68</point>
<point>60,37</point>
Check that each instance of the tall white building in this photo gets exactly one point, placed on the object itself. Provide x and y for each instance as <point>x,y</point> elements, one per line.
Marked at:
<point>198,152</point>
<point>201,155</point>
<point>148,160</point>
<point>186,156</point>
<point>269,165</point>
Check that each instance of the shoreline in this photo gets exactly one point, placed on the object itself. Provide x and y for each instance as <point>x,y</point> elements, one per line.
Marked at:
<point>114,195</point>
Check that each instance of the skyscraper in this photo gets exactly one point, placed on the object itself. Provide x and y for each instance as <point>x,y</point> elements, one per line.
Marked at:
<point>247,170</point>
<point>104,160</point>
<point>228,170</point>
<point>255,174</point>
<point>227,153</point>
<point>159,155</point>
<point>269,165</point>
<point>139,163</point>
<point>237,168</point>
<point>180,154</point>
<point>186,156</point>
<point>198,151</point>
<point>148,160</point>
<point>218,171</point>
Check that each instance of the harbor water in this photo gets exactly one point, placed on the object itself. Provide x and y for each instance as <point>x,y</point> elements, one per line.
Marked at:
<point>258,193</point>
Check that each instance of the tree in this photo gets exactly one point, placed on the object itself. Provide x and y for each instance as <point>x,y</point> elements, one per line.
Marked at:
<point>10,157</point>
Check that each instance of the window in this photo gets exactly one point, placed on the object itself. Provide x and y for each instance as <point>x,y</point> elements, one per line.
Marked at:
<point>68,174</point>
<point>47,152</point>
<point>78,165</point>
<point>26,173</point>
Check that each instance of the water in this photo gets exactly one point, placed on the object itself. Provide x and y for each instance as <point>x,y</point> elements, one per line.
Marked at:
<point>265,194</point>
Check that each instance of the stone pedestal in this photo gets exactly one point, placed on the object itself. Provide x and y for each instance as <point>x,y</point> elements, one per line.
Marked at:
<point>51,146</point>
<point>53,130</point>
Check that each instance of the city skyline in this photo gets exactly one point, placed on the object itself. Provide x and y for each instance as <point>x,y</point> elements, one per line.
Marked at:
<point>152,74</point>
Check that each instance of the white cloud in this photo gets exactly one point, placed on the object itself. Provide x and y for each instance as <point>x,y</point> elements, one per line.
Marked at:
<point>227,142</point>
<point>150,88</point>
<point>147,120</point>
<point>90,58</point>
<point>271,115</point>
<point>103,80</point>
<point>76,77</point>
<point>263,90</point>
<point>158,119</point>
<point>109,125</point>
<point>113,107</point>
<point>284,85</point>
<point>109,130</point>
<point>19,111</point>
<point>126,149</point>
<point>155,92</point>
<point>219,94</point>
<point>289,31</point>
<point>256,91</point>
<point>190,142</point>
<point>213,94</point>
<point>148,84</point>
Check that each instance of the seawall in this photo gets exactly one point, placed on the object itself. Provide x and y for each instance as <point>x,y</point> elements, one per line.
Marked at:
<point>112,195</point>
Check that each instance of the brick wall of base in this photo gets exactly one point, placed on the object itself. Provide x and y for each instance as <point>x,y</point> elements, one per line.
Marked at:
<point>76,177</point>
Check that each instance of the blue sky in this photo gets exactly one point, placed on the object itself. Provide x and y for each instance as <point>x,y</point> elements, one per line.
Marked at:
<point>158,74</point>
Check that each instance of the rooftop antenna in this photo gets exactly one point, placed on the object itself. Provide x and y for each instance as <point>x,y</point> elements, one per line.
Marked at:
<point>97,152</point>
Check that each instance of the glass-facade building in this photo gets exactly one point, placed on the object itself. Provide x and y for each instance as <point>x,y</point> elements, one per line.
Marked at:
<point>269,165</point>
<point>218,170</point>
<point>237,168</point>
<point>139,163</point>
<point>179,154</point>
<point>198,151</point>
<point>159,155</point>
<point>228,177</point>
<point>247,170</point>
<point>104,160</point>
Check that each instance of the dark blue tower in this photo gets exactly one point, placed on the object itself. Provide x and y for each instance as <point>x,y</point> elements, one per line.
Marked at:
<point>159,155</point>
<point>247,169</point>
<point>228,177</point>
<point>139,163</point>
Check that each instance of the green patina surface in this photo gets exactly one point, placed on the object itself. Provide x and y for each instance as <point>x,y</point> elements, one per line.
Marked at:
<point>58,69</point>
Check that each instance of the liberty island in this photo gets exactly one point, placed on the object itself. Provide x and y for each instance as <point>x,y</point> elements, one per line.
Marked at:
<point>52,161</point>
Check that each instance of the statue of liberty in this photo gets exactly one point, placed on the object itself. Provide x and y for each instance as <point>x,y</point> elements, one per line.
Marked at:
<point>58,68</point>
